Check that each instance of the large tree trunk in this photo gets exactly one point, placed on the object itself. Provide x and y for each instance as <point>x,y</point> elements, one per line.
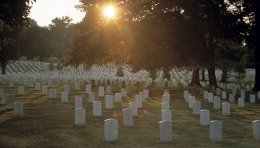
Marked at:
<point>211,57</point>
<point>195,80</point>
<point>212,76</point>
<point>224,73</point>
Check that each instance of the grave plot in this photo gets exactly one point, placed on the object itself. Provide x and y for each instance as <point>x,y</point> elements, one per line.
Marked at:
<point>48,121</point>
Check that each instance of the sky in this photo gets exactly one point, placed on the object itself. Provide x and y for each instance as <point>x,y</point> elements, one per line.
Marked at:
<point>43,11</point>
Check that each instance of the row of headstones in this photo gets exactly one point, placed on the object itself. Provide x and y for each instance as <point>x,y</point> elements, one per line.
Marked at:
<point>97,105</point>
<point>78,83</point>
<point>232,86</point>
<point>209,95</point>
<point>9,100</point>
<point>80,112</point>
<point>111,125</point>
<point>67,89</point>
<point>196,104</point>
<point>215,125</point>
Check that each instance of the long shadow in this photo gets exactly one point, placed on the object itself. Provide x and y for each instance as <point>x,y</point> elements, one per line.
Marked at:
<point>5,111</point>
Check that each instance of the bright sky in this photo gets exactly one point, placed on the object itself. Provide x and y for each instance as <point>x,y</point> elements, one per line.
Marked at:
<point>43,11</point>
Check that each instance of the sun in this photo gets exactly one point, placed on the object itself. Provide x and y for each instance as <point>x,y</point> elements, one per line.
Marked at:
<point>109,12</point>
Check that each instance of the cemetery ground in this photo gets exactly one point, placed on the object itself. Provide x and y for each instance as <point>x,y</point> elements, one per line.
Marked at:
<point>49,123</point>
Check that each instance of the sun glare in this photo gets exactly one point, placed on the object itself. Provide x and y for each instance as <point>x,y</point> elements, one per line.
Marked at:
<point>109,12</point>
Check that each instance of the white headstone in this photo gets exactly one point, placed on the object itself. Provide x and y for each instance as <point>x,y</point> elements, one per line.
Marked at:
<point>133,107</point>
<point>97,109</point>
<point>118,97</point>
<point>142,96</point>
<point>204,117</point>
<point>256,129</point>
<point>231,98</point>
<point>166,115</point>
<point>109,102</point>
<point>191,99</point>
<point>88,88</point>
<point>166,98</point>
<point>21,90</point>
<point>165,131</point>
<point>18,109</point>
<point>111,129</point>
<point>217,103</point>
<point>242,93</point>
<point>196,107</point>
<point>101,91</point>
<point>165,106</point>
<point>67,88</point>
<point>139,101</point>
<point>226,108</point>
<point>64,97</point>
<point>52,93</point>
<point>218,91</point>
<point>146,93</point>
<point>210,97</point>
<point>77,85</point>
<point>78,102</point>
<point>224,95</point>
<point>80,116</point>
<point>91,97</point>
<point>205,94</point>
<point>258,95</point>
<point>187,98</point>
<point>215,131</point>
<point>45,90</point>
<point>241,102</point>
<point>37,86</point>
<point>128,117</point>
<point>252,98</point>
<point>31,83</point>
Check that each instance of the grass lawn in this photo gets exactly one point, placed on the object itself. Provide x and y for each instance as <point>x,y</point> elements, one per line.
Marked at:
<point>48,123</point>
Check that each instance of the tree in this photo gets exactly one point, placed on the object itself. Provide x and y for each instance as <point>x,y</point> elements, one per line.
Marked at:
<point>34,41</point>
<point>181,32</point>
<point>13,14</point>
<point>60,35</point>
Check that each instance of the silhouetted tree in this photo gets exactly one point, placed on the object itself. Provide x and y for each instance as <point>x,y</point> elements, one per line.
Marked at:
<point>13,15</point>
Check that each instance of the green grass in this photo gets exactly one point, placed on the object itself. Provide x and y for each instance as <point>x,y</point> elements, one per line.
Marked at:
<point>51,124</point>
